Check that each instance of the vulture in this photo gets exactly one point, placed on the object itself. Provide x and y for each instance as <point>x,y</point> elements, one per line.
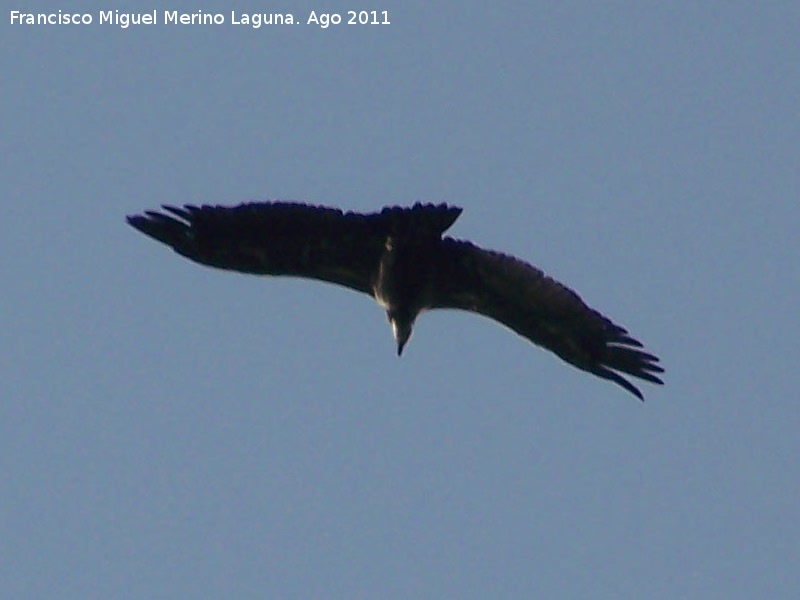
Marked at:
<point>400,257</point>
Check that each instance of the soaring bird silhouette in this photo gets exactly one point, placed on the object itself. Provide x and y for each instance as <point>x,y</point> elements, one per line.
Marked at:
<point>399,257</point>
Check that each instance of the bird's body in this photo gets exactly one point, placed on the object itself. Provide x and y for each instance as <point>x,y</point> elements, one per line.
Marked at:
<point>400,257</point>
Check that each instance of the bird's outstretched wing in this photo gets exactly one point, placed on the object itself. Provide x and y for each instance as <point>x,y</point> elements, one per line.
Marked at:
<point>540,309</point>
<point>287,238</point>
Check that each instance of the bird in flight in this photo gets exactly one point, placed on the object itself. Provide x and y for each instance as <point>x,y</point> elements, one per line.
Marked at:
<point>400,257</point>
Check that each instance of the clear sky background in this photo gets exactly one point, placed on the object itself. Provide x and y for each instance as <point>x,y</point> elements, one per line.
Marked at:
<point>171,431</point>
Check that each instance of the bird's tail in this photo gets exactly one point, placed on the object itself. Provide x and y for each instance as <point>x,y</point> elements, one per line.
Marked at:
<point>421,219</point>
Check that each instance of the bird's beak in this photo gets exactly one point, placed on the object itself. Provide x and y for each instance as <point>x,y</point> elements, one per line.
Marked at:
<point>402,336</point>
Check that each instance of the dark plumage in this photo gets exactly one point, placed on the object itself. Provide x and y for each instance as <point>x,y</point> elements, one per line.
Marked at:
<point>399,257</point>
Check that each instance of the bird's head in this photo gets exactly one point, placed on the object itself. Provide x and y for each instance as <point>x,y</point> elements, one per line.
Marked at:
<point>402,323</point>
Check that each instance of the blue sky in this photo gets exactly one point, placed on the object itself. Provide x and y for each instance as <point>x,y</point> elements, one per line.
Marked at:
<point>173,431</point>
